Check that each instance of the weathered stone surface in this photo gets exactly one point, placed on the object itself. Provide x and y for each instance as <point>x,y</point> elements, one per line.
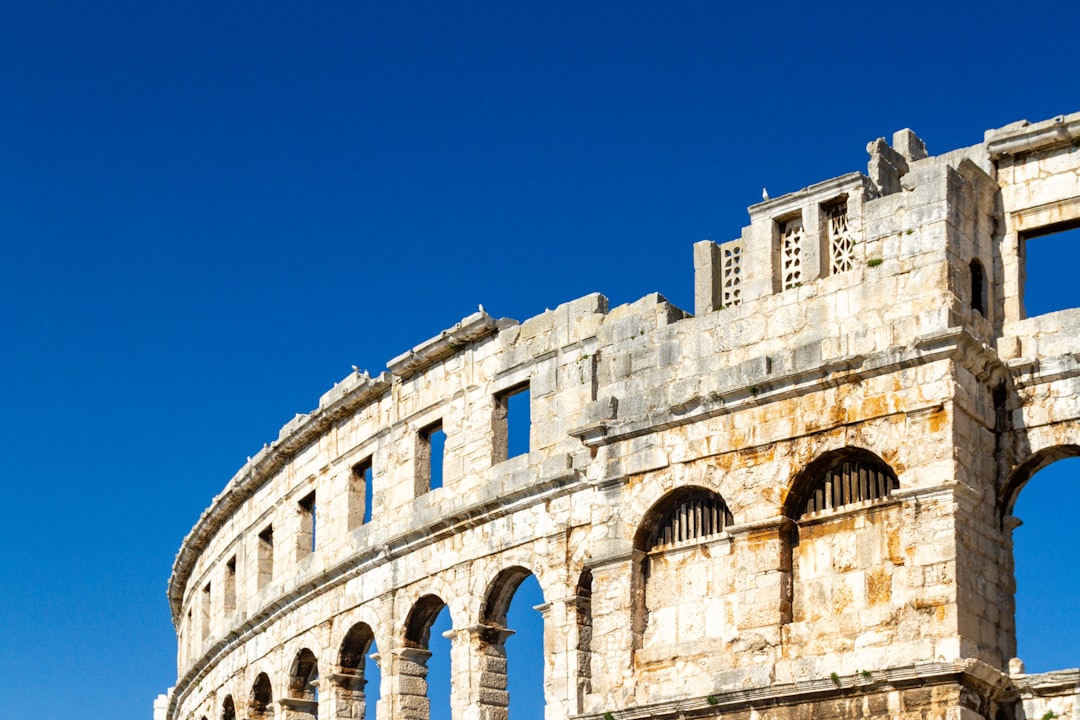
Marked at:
<point>794,503</point>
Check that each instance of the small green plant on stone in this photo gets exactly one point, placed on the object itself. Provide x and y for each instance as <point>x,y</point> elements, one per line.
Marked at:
<point>909,232</point>
<point>835,678</point>
<point>874,262</point>
<point>1049,715</point>
<point>711,699</point>
<point>866,674</point>
<point>608,716</point>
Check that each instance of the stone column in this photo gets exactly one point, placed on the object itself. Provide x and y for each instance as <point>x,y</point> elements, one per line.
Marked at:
<point>298,709</point>
<point>408,683</point>
<point>567,655</point>
<point>345,695</point>
<point>764,551</point>
<point>478,668</point>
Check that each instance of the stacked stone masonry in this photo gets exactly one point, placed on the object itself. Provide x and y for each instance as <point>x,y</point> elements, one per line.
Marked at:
<point>794,503</point>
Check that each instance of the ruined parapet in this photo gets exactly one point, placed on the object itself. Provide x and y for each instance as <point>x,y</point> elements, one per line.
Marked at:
<point>796,499</point>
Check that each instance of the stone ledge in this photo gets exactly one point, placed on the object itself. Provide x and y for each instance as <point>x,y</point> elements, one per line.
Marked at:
<point>963,672</point>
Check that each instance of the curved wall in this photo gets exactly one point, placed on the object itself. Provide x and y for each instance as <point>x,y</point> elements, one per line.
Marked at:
<point>754,403</point>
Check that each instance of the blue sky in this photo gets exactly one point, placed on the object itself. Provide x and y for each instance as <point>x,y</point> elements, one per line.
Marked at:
<point>210,211</point>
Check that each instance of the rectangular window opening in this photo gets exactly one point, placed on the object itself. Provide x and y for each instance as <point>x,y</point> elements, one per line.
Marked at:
<point>432,447</point>
<point>266,556</point>
<point>204,613</point>
<point>512,424</point>
<point>1051,255</point>
<point>306,535</point>
<point>361,493</point>
<point>229,589</point>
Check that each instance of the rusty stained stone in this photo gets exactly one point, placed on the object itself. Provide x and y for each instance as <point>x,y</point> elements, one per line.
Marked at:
<point>878,586</point>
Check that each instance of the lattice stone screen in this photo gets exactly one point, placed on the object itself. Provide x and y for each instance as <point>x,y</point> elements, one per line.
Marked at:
<point>791,235</point>
<point>851,482</point>
<point>841,242</point>
<point>697,516</point>
<point>731,258</point>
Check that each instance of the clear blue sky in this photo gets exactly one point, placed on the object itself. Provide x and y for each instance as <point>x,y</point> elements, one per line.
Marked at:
<point>210,211</point>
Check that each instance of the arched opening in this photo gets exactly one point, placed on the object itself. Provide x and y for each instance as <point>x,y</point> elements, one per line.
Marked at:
<point>424,668</point>
<point>260,706</point>
<point>583,645</point>
<point>359,679</point>
<point>679,568</point>
<point>1045,545</point>
<point>228,709</point>
<point>839,564</point>
<point>512,646</point>
<point>978,286</point>
<point>302,702</point>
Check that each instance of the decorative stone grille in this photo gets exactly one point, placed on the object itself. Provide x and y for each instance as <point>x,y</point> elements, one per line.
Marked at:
<point>732,269</point>
<point>791,252</point>
<point>695,517</point>
<point>841,242</point>
<point>851,482</point>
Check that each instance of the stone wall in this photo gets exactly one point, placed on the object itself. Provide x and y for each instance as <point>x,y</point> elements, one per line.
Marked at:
<point>793,503</point>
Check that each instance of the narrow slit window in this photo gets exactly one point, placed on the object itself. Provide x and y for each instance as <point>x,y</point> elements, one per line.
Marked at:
<point>306,536</point>
<point>266,556</point>
<point>512,424</point>
<point>978,287</point>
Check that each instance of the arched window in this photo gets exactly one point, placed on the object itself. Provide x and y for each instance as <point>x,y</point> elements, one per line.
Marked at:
<point>817,544</point>
<point>358,678</point>
<point>675,550</point>
<point>260,706</point>
<point>978,287</point>
<point>842,478</point>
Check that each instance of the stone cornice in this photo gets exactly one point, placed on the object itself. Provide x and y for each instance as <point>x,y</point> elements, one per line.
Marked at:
<point>955,344</point>
<point>970,673</point>
<point>475,327</point>
<point>1027,139</point>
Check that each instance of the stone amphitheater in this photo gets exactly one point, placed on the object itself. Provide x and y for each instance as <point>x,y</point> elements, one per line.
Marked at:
<point>793,503</point>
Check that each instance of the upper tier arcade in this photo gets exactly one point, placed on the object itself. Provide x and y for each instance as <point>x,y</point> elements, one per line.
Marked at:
<point>799,496</point>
